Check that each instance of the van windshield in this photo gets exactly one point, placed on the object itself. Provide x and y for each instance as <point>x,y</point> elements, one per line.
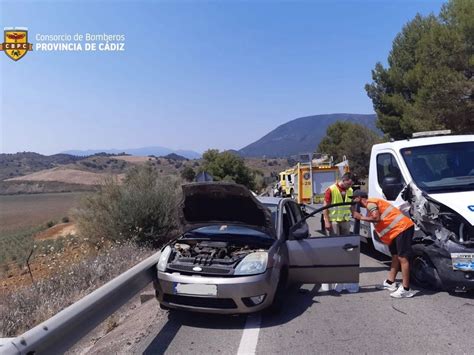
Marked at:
<point>442,167</point>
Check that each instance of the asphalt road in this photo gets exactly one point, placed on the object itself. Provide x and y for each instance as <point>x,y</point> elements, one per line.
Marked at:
<point>369,321</point>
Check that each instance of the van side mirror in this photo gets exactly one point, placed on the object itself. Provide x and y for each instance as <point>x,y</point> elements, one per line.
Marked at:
<point>299,231</point>
<point>391,187</point>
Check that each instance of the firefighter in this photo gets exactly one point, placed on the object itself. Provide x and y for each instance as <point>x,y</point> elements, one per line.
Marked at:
<point>394,229</point>
<point>337,219</point>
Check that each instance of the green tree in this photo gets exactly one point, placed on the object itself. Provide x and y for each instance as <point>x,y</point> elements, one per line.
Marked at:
<point>228,166</point>
<point>428,84</point>
<point>351,140</point>
<point>188,174</point>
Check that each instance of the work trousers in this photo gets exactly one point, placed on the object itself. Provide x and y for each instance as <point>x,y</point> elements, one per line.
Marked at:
<point>341,228</point>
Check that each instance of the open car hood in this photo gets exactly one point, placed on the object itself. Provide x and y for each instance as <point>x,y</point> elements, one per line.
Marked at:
<point>211,203</point>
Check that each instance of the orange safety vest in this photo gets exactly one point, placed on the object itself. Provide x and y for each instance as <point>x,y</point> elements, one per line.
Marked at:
<point>392,221</point>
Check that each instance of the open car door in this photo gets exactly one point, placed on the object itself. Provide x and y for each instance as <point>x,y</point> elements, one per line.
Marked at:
<point>324,259</point>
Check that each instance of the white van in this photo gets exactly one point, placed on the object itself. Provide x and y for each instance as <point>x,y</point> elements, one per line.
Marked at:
<point>432,180</point>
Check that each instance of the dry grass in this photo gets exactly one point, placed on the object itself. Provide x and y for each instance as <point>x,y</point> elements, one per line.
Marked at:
<point>18,212</point>
<point>26,307</point>
<point>23,216</point>
<point>134,159</point>
<point>67,176</point>
<point>57,231</point>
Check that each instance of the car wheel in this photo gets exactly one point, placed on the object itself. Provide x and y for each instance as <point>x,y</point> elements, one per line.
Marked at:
<point>278,299</point>
<point>163,307</point>
<point>292,194</point>
<point>424,273</point>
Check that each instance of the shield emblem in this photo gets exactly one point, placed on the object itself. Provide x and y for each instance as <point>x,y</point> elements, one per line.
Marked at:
<point>16,44</point>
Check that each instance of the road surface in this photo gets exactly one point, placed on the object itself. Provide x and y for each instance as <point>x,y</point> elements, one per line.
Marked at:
<point>369,321</point>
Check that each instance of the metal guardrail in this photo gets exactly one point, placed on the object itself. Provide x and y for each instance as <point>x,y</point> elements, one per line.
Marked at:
<point>63,330</point>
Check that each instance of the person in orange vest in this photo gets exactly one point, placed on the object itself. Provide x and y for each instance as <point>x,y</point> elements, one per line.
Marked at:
<point>394,229</point>
<point>337,219</point>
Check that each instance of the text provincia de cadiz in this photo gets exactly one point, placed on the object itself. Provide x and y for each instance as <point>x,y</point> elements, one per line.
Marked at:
<point>63,42</point>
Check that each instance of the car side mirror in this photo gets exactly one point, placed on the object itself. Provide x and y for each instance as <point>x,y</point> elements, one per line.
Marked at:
<point>391,187</point>
<point>299,231</point>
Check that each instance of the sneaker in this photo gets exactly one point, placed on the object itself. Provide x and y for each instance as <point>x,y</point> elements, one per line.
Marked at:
<point>386,286</point>
<point>401,293</point>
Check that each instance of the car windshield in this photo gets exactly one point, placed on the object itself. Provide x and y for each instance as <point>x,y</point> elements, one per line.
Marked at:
<point>442,167</point>
<point>223,229</point>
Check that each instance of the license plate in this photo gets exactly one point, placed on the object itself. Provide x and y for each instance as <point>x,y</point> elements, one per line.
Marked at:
<point>463,261</point>
<point>195,289</point>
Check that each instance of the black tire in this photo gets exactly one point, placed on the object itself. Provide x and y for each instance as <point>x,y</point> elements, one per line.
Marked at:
<point>163,307</point>
<point>278,299</point>
<point>424,273</point>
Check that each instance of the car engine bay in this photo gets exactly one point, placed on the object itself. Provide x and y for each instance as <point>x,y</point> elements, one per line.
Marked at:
<point>208,257</point>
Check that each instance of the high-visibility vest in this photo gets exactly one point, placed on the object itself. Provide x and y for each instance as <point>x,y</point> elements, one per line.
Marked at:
<point>341,213</point>
<point>392,220</point>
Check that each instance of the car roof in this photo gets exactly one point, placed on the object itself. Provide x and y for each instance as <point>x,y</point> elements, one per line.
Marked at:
<point>415,142</point>
<point>270,200</point>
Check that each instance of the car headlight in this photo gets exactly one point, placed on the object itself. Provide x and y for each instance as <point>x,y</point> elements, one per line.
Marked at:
<point>165,254</point>
<point>252,264</point>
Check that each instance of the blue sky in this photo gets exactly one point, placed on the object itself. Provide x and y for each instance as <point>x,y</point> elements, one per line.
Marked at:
<point>195,75</point>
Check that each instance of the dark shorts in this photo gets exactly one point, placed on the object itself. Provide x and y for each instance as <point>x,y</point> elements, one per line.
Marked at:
<point>401,245</point>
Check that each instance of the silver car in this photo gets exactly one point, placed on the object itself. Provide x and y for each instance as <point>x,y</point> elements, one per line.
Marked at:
<point>238,253</point>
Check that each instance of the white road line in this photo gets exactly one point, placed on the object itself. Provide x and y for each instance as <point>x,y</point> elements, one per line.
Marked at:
<point>249,340</point>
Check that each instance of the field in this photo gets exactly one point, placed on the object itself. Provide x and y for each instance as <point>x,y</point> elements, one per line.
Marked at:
<point>22,216</point>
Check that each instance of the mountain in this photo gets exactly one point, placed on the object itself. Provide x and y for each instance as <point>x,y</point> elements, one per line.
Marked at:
<point>301,135</point>
<point>174,156</point>
<point>17,164</point>
<point>145,151</point>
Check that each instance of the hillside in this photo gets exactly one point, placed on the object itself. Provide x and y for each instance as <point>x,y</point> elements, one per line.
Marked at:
<point>62,174</point>
<point>18,164</point>
<point>145,151</point>
<point>301,135</point>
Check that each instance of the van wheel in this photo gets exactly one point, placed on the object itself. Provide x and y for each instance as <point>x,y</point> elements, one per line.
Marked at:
<point>424,273</point>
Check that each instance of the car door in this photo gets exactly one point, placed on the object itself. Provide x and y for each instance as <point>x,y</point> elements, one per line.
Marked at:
<point>324,259</point>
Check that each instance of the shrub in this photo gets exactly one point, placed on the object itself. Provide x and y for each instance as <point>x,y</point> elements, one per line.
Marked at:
<point>65,219</point>
<point>188,174</point>
<point>49,224</point>
<point>143,209</point>
<point>28,306</point>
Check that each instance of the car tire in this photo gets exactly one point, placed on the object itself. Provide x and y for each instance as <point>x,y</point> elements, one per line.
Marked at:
<point>163,307</point>
<point>278,299</point>
<point>424,273</point>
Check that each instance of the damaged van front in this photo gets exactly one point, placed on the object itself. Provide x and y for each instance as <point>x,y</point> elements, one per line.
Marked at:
<point>432,180</point>
<point>444,240</point>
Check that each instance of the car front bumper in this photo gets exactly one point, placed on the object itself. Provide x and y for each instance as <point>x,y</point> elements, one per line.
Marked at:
<point>233,293</point>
